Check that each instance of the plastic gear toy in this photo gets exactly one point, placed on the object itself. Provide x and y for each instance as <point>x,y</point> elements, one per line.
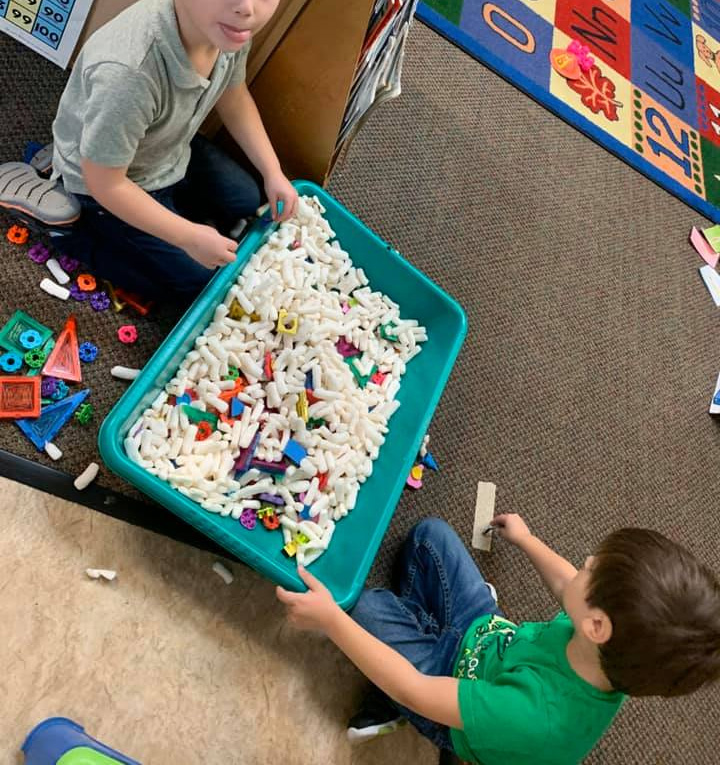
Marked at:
<point>10,362</point>
<point>78,294</point>
<point>48,386</point>
<point>127,334</point>
<point>35,358</point>
<point>68,264</point>
<point>30,339</point>
<point>248,518</point>
<point>39,254</point>
<point>100,301</point>
<point>86,282</point>
<point>84,413</point>
<point>17,235</point>
<point>61,390</point>
<point>204,431</point>
<point>87,352</point>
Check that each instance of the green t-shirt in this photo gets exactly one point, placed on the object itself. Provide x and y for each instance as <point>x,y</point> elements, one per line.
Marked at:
<point>520,701</point>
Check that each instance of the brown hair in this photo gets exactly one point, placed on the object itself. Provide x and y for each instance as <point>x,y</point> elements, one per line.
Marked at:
<point>665,611</point>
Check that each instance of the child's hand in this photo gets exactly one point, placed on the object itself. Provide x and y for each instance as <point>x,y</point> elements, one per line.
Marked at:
<point>311,610</point>
<point>511,527</point>
<point>209,247</point>
<point>279,189</point>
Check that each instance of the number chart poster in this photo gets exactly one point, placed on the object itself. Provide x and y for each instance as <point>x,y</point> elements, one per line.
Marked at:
<point>641,77</point>
<point>50,27</point>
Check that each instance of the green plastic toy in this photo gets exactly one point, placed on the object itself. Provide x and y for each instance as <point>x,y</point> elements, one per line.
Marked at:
<point>84,414</point>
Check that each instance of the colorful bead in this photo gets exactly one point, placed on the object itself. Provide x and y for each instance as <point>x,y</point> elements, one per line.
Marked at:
<point>127,334</point>
<point>86,282</point>
<point>48,386</point>
<point>61,390</point>
<point>35,358</point>
<point>414,480</point>
<point>204,430</point>
<point>100,301</point>
<point>271,522</point>
<point>84,413</point>
<point>39,254</point>
<point>17,235</point>
<point>248,518</point>
<point>345,349</point>
<point>78,294</point>
<point>30,339</point>
<point>387,334</point>
<point>88,352</point>
<point>11,362</point>
<point>68,263</point>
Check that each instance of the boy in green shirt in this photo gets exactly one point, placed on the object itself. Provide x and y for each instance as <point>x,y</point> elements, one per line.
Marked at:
<point>641,618</point>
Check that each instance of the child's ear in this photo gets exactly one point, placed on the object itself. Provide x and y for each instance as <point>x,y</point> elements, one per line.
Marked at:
<point>597,626</point>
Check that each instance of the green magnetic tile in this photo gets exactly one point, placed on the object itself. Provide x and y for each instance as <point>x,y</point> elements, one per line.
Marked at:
<point>15,326</point>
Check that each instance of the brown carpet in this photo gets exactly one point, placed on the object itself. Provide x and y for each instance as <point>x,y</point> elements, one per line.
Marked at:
<point>583,387</point>
<point>30,91</point>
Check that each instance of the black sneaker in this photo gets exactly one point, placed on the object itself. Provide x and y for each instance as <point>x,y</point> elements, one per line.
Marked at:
<point>377,717</point>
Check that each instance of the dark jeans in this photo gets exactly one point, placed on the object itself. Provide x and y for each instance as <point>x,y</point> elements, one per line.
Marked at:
<point>215,187</point>
<point>438,592</point>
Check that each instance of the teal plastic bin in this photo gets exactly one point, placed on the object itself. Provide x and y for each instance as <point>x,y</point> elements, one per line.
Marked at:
<point>344,567</point>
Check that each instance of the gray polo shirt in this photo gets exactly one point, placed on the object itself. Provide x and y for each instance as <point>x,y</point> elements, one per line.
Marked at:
<point>135,100</point>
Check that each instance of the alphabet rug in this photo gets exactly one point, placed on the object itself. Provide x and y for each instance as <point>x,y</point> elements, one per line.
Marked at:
<point>640,77</point>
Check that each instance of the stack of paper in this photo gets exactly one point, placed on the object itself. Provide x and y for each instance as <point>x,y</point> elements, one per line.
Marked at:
<point>379,71</point>
<point>707,244</point>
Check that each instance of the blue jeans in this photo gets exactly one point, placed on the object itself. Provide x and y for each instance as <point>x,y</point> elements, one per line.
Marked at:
<point>215,187</point>
<point>438,592</point>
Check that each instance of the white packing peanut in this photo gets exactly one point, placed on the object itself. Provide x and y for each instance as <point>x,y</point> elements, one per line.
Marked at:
<point>189,439</point>
<point>52,451</point>
<point>219,404</point>
<point>49,286</point>
<point>312,283</point>
<point>223,572</point>
<point>124,373</point>
<point>87,476</point>
<point>56,270</point>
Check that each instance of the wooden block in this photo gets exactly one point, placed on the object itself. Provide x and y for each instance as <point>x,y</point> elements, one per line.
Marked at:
<point>484,512</point>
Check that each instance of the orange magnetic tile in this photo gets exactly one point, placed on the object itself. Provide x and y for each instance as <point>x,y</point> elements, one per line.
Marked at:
<point>19,397</point>
<point>64,359</point>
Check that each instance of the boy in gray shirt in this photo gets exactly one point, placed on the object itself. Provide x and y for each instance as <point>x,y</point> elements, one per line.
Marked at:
<point>126,146</point>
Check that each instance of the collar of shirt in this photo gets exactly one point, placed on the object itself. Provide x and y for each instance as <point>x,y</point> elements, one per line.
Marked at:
<point>180,68</point>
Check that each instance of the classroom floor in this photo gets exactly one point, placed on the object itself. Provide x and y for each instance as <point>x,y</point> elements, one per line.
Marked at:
<point>582,391</point>
<point>166,663</point>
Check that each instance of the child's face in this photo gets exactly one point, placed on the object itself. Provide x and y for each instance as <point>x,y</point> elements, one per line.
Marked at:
<point>592,623</point>
<point>230,24</point>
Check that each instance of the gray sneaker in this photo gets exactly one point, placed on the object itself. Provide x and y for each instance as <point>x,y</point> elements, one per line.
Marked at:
<point>24,192</point>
